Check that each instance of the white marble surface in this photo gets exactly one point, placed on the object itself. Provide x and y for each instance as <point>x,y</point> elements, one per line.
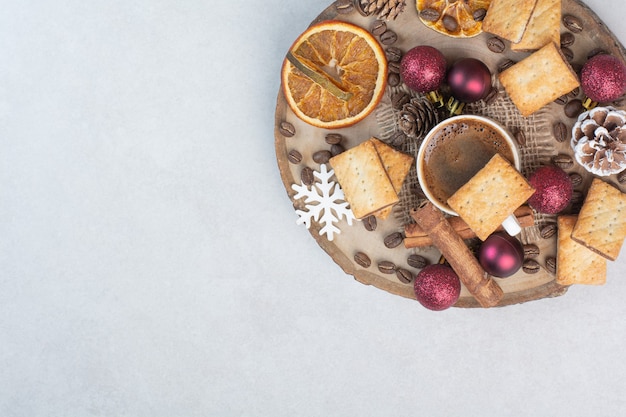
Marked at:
<point>150,264</point>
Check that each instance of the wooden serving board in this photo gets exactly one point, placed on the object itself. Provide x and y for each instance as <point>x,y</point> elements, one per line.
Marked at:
<point>540,147</point>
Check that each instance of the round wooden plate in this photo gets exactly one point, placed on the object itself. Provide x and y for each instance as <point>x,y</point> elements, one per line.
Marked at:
<point>539,148</point>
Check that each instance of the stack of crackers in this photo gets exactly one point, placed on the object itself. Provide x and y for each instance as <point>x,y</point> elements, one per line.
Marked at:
<point>532,25</point>
<point>371,176</point>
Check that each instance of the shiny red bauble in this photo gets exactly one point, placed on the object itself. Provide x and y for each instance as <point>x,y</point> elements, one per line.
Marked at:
<point>437,287</point>
<point>603,78</point>
<point>553,189</point>
<point>423,68</point>
<point>501,255</point>
<point>469,80</point>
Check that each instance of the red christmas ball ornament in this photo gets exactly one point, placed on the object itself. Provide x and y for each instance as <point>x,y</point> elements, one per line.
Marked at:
<point>553,190</point>
<point>469,79</point>
<point>423,68</point>
<point>603,78</point>
<point>501,255</point>
<point>437,287</point>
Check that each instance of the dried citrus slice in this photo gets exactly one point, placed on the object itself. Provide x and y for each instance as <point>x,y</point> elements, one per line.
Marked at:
<point>456,18</point>
<point>334,74</point>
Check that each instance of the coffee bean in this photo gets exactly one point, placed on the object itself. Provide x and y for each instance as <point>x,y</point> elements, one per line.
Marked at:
<point>378,27</point>
<point>399,99</point>
<point>492,96</point>
<point>520,137</point>
<point>362,259</point>
<point>576,179</point>
<point>621,177</point>
<point>307,177</point>
<point>394,67</point>
<point>531,251</point>
<point>336,149</point>
<point>506,64</point>
<point>551,265</point>
<point>286,129</point>
<point>370,223</point>
<point>479,14</point>
<point>333,138</point>
<point>344,6</point>
<point>562,100</point>
<point>387,267</point>
<point>361,7</point>
<point>393,240</point>
<point>567,39</point>
<point>577,200</point>
<point>572,23</point>
<point>567,53</point>
<point>530,266</point>
<point>573,108</point>
<point>294,156</point>
<point>559,130</point>
<point>393,79</point>
<point>563,161</point>
<point>404,276</point>
<point>388,37</point>
<point>574,93</point>
<point>495,44</point>
<point>416,261</point>
<point>548,231</point>
<point>397,139</point>
<point>450,23</point>
<point>393,54</point>
<point>322,157</point>
<point>430,15</point>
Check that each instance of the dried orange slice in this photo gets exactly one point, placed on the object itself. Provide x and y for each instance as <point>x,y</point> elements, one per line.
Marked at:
<point>334,74</point>
<point>456,18</point>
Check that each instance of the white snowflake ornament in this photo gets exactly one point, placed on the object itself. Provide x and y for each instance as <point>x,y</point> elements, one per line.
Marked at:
<point>325,198</point>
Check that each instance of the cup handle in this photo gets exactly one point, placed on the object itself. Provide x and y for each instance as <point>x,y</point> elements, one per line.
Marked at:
<point>512,226</point>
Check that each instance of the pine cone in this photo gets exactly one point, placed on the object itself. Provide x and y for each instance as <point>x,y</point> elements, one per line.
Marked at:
<point>384,9</point>
<point>599,140</point>
<point>417,117</point>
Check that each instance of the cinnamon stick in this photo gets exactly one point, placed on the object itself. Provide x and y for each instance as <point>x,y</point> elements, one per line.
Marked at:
<point>416,237</point>
<point>486,291</point>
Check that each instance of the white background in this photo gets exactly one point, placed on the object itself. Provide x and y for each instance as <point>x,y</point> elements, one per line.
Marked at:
<point>150,264</point>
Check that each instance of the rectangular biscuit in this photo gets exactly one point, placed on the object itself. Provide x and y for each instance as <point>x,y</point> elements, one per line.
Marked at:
<point>575,263</point>
<point>363,178</point>
<point>543,27</point>
<point>601,224</point>
<point>397,164</point>
<point>490,196</point>
<point>539,79</point>
<point>508,18</point>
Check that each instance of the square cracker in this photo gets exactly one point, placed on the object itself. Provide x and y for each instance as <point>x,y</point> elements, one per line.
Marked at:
<point>601,224</point>
<point>363,178</point>
<point>508,18</point>
<point>539,79</point>
<point>543,27</point>
<point>575,263</point>
<point>491,196</point>
<point>397,164</point>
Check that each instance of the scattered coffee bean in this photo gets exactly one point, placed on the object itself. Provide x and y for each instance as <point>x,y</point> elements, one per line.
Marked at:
<point>404,276</point>
<point>393,54</point>
<point>333,138</point>
<point>393,240</point>
<point>399,99</point>
<point>506,64</point>
<point>361,7</point>
<point>567,39</point>
<point>573,108</point>
<point>496,45</point>
<point>577,200</point>
<point>530,266</point>
<point>562,100</point>
<point>388,37</point>
<point>387,267</point>
<point>393,79</point>
<point>344,6</point>
<point>548,231</point>
<point>520,137</point>
<point>559,130</point>
<point>492,96</point>
<point>479,14</point>
<point>362,259</point>
<point>394,67</point>
<point>621,177</point>
<point>397,139</point>
<point>336,149</point>
<point>574,93</point>
<point>576,179</point>
<point>294,156</point>
<point>307,177</point>
<point>551,265</point>
<point>286,129</point>
<point>322,157</point>
<point>450,23</point>
<point>531,251</point>
<point>378,27</point>
<point>416,261</point>
<point>430,15</point>
<point>370,223</point>
<point>568,53</point>
<point>563,161</point>
<point>572,23</point>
